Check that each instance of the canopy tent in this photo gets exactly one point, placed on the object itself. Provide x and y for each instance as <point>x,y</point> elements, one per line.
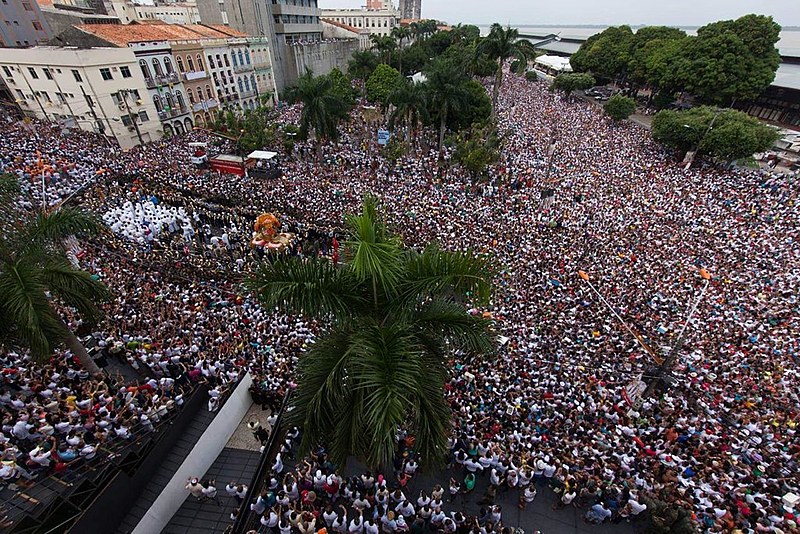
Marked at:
<point>261,154</point>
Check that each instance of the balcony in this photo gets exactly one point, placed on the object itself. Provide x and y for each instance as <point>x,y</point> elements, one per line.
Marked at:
<point>150,82</point>
<point>172,77</point>
<point>201,106</point>
<point>243,68</point>
<point>162,115</point>
<point>197,75</point>
<point>248,93</point>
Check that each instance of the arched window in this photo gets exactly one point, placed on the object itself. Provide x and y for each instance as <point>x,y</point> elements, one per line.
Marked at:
<point>253,81</point>
<point>179,98</point>
<point>225,56</point>
<point>168,65</point>
<point>247,56</point>
<point>179,61</point>
<point>199,62</point>
<point>145,69</point>
<point>241,58</point>
<point>191,95</point>
<point>233,57</point>
<point>209,94</point>
<point>239,81</point>
<point>190,63</point>
<point>157,67</point>
<point>170,101</point>
<point>210,61</point>
<point>158,103</point>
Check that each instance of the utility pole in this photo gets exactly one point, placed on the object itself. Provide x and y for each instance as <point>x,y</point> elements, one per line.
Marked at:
<point>89,103</point>
<point>703,138</point>
<point>135,119</point>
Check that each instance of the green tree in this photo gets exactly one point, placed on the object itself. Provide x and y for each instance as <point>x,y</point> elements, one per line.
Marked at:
<point>477,149</point>
<point>323,108</point>
<point>400,34</point>
<point>476,109</point>
<point>342,86</point>
<point>362,64</point>
<point>572,81</point>
<point>501,45</point>
<point>648,43</point>
<point>384,45</point>
<point>620,107</point>
<point>392,317</point>
<point>605,54</point>
<point>410,109</point>
<point>447,92</point>
<point>36,278</point>
<point>384,82</point>
<point>730,60</point>
<point>725,134</point>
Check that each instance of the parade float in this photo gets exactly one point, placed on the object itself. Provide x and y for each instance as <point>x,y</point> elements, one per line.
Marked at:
<point>266,234</point>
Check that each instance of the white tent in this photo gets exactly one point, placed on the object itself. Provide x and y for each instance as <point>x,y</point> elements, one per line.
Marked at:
<point>261,154</point>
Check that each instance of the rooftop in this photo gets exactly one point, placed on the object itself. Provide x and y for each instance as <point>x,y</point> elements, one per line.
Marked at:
<point>122,35</point>
<point>788,76</point>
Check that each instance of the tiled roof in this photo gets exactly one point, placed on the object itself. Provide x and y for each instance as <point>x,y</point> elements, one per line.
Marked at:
<point>121,35</point>
<point>341,25</point>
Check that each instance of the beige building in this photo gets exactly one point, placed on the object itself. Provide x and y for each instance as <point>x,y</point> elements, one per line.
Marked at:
<point>94,89</point>
<point>332,29</point>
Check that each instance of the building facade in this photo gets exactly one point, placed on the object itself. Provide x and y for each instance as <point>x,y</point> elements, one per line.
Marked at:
<point>190,59</point>
<point>286,23</point>
<point>375,21</point>
<point>164,85</point>
<point>98,89</point>
<point>22,24</point>
<point>411,9</point>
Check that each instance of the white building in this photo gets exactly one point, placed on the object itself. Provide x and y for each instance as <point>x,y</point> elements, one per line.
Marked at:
<point>95,89</point>
<point>376,21</point>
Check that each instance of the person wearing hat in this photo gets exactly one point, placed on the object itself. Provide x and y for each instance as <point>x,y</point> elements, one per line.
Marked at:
<point>195,488</point>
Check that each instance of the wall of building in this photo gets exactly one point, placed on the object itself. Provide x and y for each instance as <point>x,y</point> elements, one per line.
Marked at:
<point>377,22</point>
<point>93,89</point>
<point>333,31</point>
<point>22,24</point>
<point>169,13</point>
<point>320,57</point>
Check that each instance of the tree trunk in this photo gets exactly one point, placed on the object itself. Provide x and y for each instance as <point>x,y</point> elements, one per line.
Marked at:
<point>442,123</point>
<point>498,79</point>
<point>76,347</point>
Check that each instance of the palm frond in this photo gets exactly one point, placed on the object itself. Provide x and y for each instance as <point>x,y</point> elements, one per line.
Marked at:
<point>54,226</point>
<point>312,287</point>
<point>75,288</point>
<point>435,272</point>
<point>451,322</point>
<point>24,305</point>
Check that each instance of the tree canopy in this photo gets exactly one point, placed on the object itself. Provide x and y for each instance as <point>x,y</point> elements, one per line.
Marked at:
<point>733,134</point>
<point>572,81</point>
<point>382,83</point>
<point>393,317</point>
<point>620,107</point>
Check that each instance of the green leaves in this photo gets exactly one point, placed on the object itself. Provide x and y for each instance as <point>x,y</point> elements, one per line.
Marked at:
<point>393,318</point>
<point>383,83</point>
<point>569,82</point>
<point>323,107</point>
<point>619,107</point>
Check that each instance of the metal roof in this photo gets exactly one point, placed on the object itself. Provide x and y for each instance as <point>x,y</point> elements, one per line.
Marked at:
<point>788,76</point>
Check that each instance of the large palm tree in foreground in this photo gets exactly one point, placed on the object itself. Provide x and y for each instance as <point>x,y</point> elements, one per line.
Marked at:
<point>394,316</point>
<point>35,274</point>
<point>501,45</point>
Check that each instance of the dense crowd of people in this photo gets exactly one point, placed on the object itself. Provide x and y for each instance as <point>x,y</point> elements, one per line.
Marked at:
<point>557,405</point>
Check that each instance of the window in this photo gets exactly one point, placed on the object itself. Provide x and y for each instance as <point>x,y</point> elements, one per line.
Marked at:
<point>211,62</point>
<point>89,101</point>
<point>117,98</point>
<point>158,104</point>
<point>77,75</point>
<point>234,59</point>
<point>61,98</point>
<point>106,74</point>
<point>20,94</point>
<point>157,67</point>
<point>209,94</point>
<point>190,63</point>
<point>126,120</point>
<point>143,116</point>
<point>7,71</point>
<point>145,69</point>
<point>191,95</point>
<point>125,71</point>
<point>37,26</point>
<point>200,62</point>
<point>33,74</point>
<point>227,63</point>
<point>179,61</point>
<point>47,73</point>
<point>168,65</point>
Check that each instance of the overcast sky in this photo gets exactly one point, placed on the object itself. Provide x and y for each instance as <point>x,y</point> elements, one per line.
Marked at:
<point>612,12</point>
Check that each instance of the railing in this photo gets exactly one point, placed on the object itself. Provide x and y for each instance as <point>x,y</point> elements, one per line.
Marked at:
<point>196,75</point>
<point>243,68</point>
<point>162,115</point>
<point>248,93</point>
<point>150,82</point>
<point>172,77</point>
<point>246,517</point>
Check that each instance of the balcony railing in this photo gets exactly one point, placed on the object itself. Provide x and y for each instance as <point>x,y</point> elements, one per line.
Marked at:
<point>243,68</point>
<point>196,75</point>
<point>208,104</point>
<point>150,82</point>
<point>248,93</point>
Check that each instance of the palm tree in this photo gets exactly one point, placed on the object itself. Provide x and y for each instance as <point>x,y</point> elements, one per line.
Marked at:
<point>393,317</point>
<point>410,108</point>
<point>447,92</point>
<point>384,45</point>
<point>362,64</point>
<point>399,33</point>
<point>323,108</point>
<point>36,276</point>
<point>501,45</point>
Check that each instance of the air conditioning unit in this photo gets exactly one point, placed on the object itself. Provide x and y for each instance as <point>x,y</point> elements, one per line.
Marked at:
<point>139,102</point>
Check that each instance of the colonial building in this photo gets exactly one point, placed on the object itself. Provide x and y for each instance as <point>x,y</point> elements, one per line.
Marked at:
<point>375,21</point>
<point>95,89</point>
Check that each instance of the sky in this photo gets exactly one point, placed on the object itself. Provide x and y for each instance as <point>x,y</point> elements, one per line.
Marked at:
<point>608,12</point>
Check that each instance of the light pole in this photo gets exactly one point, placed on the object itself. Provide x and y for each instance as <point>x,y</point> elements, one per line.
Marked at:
<point>665,364</point>
<point>702,138</point>
<point>134,118</point>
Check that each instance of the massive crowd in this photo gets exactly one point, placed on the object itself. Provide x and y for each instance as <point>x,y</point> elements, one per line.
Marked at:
<point>554,405</point>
